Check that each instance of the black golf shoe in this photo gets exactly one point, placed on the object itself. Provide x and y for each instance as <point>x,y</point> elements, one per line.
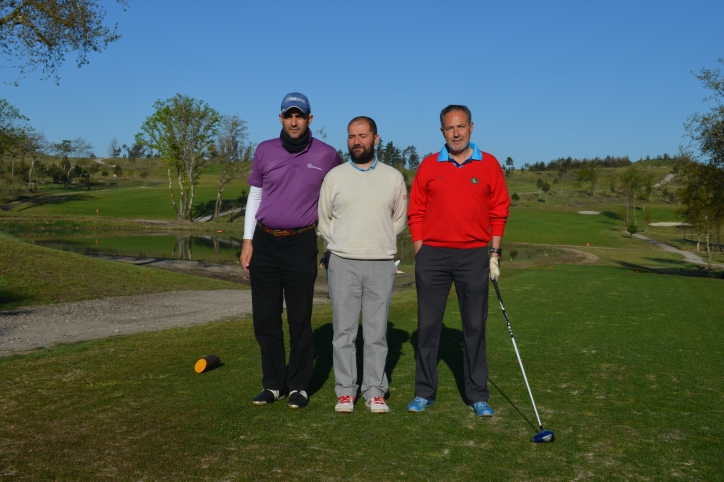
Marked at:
<point>298,399</point>
<point>267,396</point>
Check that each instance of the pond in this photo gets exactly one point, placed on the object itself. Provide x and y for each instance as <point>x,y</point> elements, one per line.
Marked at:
<point>222,249</point>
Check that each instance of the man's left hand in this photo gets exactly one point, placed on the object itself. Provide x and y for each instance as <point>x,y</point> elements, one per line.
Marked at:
<point>494,268</point>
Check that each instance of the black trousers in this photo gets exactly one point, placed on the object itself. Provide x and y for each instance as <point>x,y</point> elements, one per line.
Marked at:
<point>284,268</point>
<point>435,271</point>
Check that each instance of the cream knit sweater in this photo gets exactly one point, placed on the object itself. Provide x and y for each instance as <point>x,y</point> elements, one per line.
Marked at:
<point>361,213</point>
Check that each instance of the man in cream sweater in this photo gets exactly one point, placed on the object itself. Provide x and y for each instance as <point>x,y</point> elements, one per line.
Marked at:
<point>362,209</point>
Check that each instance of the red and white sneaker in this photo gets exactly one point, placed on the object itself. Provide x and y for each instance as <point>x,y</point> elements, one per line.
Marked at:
<point>377,405</point>
<point>345,404</point>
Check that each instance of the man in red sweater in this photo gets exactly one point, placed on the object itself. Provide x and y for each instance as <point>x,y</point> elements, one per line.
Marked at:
<point>458,208</point>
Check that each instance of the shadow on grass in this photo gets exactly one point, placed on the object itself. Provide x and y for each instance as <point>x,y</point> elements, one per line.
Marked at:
<point>206,208</point>
<point>322,357</point>
<point>511,403</point>
<point>450,352</point>
<point>323,352</point>
<point>612,215</point>
<point>51,199</point>
<point>10,300</point>
<point>679,268</point>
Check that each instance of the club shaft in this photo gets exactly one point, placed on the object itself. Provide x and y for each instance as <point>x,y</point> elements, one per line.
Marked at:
<point>517,353</point>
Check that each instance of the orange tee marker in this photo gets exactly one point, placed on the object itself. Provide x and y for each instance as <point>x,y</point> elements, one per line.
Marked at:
<point>206,363</point>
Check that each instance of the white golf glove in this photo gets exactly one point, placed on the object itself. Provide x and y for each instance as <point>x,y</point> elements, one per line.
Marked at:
<point>494,268</point>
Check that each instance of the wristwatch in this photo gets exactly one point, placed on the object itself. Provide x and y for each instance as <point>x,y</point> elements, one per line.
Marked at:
<point>497,251</point>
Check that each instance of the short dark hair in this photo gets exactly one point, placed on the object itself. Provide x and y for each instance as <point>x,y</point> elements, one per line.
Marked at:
<point>453,107</point>
<point>368,120</point>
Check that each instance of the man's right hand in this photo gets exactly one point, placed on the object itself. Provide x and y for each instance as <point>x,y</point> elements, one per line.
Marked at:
<point>245,258</point>
<point>417,245</point>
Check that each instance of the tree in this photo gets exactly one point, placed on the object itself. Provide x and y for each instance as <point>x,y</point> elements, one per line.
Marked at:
<point>411,157</point>
<point>589,175</point>
<point>380,149</point>
<point>612,181</point>
<point>545,187</point>
<point>321,133</point>
<point>14,128</point>
<point>509,166</point>
<point>392,155</point>
<point>134,152</point>
<point>40,33</point>
<point>631,183</point>
<point>344,156</point>
<point>561,173</point>
<point>702,198</point>
<point>707,130</point>
<point>34,145</point>
<point>114,150</point>
<point>72,151</point>
<point>233,154</point>
<point>183,130</point>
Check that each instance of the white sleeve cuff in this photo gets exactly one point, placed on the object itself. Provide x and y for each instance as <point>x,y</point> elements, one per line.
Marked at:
<point>252,206</point>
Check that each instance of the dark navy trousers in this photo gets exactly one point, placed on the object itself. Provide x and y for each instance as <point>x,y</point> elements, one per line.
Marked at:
<point>436,269</point>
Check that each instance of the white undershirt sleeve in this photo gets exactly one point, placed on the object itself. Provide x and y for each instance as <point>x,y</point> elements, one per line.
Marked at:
<point>252,206</point>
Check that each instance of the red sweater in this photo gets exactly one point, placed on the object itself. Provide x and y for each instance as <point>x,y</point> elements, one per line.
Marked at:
<point>458,207</point>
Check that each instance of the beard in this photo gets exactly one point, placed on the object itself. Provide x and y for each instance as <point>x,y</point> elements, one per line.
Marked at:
<point>363,157</point>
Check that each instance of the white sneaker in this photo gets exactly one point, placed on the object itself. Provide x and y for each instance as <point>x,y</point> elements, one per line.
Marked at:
<point>345,404</point>
<point>377,405</point>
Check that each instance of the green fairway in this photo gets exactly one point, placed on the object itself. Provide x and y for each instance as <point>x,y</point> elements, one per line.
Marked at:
<point>153,202</point>
<point>566,227</point>
<point>31,275</point>
<point>625,367</point>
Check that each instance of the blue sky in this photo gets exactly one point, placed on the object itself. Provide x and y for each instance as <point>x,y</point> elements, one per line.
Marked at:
<point>543,79</point>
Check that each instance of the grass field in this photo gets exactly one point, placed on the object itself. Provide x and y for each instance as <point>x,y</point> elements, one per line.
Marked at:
<point>625,367</point>
<point>31,275</point>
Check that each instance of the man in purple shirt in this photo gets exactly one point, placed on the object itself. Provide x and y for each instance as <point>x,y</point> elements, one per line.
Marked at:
<point>280,249</point>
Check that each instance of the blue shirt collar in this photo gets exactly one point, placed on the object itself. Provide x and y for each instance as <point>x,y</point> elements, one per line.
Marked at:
<point>444,155</point>
<point>364,170</point>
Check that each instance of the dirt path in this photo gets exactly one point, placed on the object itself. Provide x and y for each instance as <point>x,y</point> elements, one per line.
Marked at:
<point>26,329</point>
<point>688,256</point>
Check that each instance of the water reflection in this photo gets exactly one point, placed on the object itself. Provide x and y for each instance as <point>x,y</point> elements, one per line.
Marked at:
<point>224,249</point>
<point>215,249</point>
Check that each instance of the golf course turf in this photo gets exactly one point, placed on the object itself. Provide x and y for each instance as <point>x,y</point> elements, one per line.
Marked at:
<point>621,342</point>
<point>625,367</point>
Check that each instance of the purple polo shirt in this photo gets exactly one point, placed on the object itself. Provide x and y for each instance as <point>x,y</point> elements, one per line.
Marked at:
<point>290,182</point>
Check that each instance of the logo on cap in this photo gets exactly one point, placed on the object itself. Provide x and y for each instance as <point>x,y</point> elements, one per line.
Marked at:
<point>296,100</point>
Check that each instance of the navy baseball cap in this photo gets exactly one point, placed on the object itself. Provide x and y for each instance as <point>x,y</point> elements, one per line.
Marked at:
<point>296,100</point>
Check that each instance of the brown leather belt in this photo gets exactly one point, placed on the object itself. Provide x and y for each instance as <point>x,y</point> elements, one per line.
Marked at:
<point>285,232</point>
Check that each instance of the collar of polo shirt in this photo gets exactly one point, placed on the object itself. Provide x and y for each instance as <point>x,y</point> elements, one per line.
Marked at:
<point>364,170</point>
<point>444,155</point>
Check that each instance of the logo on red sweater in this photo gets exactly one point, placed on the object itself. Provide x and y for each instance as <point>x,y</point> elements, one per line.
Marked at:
<point>474,180</point>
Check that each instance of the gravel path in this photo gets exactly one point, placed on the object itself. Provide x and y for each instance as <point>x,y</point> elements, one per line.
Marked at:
<point>26,329</point>
<point>688,256</point>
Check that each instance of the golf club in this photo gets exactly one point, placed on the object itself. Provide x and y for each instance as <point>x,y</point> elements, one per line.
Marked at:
<point>543,436</point>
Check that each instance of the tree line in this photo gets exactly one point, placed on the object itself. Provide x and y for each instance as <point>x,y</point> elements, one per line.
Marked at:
<point>569,163</point>
<point>700,165</point>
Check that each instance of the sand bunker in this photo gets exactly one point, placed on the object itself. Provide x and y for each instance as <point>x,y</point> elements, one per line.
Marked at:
<point>669,224</point>
<point>588,212</point>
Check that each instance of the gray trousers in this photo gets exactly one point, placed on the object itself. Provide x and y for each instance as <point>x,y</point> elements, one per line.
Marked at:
<point>366,286</point>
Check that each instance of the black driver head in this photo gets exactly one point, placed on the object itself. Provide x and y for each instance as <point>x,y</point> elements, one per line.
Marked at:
<point>544,436</point>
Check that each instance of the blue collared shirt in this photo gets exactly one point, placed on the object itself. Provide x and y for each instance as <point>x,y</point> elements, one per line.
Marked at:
<point>364,170</point>
<point>444,155</point>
